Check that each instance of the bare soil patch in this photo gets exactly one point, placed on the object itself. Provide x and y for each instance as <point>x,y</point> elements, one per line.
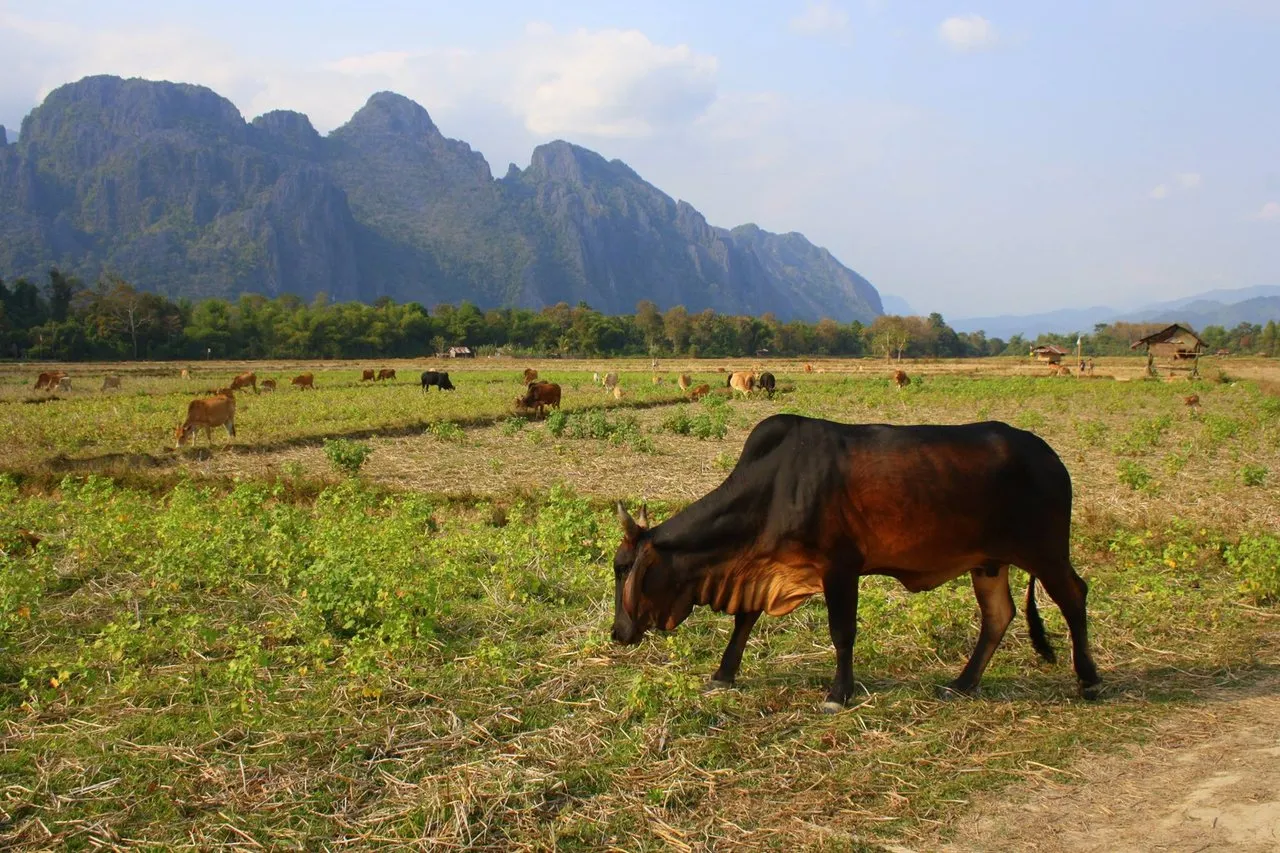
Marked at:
<point>1209,780</point>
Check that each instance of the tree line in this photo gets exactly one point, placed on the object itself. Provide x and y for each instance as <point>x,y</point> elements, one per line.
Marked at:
<point>66,320</point>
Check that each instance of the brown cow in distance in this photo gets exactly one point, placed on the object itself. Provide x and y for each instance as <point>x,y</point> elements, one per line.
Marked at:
<point>684,381</point>
<point>743,382</point>
<point>1192,400</point>
<point>901,379</point>
<point>529,375</point>
<point>304,382</point>
<point>207,413</point>
<point>268,385</point>
<point>812,506</point>
<point>808,368</point>
<point>701,391</point>
<point>386,373</point>
<point>366,376</point>
<point>186,374</point>
<point>49,380</point>
<point>538,396</point>
<point>245,380</point>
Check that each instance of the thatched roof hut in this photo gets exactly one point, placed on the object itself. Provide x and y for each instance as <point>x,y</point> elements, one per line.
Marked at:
<point>1049,353</point>
<point>1175,342</point>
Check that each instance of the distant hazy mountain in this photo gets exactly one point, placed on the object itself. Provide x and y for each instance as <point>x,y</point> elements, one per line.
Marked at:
<point>1221,307</point>
<point>896,305</point>
<point>167,185</point>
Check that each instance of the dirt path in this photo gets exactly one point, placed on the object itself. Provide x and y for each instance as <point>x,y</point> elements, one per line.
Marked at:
<point>1208,781</point>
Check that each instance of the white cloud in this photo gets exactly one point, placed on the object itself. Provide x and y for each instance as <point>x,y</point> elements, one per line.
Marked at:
<point>1161,191</point>
<point>606,83</point>
<point>1179,183</point>
<point>1270,211</point>
<point>820,17</point>
<point>967,32</point>
<point>1189,180</point>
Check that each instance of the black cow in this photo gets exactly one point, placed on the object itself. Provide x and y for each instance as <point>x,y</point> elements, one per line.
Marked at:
<point>813,505</point>
<point>438,378</point>
<point>767,382</point>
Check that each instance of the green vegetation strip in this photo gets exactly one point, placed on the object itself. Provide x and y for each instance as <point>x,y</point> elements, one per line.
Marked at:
<point>204,668</point>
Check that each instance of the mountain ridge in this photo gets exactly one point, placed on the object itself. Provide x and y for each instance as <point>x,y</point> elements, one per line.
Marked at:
<point>169,186</point>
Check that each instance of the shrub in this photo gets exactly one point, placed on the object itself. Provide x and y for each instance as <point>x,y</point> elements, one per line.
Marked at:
<point>1257,560</point>
<point>447,431</point>
<point>1133,475</point>
<point>557,421</point>
<point>346,455</point>
<point>1253,475</point>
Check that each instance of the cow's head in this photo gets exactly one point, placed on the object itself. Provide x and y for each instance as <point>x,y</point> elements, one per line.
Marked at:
<point>644,593</point>
<point>445,384</point>
<point>180,435</point>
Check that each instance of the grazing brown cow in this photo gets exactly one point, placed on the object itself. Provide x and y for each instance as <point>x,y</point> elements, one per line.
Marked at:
<point>245,380</point>
<point>538,396</point>
<point>808,368</point>
<point>529,375</point>
<point>110,382</point>
<point>719,370</point>
<point>207,413</point>
<point>366,375</point>
<point>812,506</point>
<point>743,382</point>
<point>268,385</point>
<point>386,373</point>
<point>610,381</point>
<point>684,381</point>
<point>304,382</point>
<point>49,380</point>
<point>1192,400</point>
<point>901,379</point>
<point>701,391</point>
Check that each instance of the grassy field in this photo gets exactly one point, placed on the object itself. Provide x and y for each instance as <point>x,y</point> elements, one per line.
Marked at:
<point>246,646</point>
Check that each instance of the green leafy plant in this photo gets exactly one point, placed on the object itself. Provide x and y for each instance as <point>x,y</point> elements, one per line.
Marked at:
<point>345,455</point>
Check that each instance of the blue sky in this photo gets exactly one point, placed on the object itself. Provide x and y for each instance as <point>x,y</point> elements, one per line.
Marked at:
<point>974,158</point>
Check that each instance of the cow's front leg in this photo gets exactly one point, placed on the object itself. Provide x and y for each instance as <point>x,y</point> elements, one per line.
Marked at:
<point>732,658</point>
<point>841,590</point>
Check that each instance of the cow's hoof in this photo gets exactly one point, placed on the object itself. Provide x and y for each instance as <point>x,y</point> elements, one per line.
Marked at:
<point>717,684</point>
<point>1091,692</point>
<point>830,707</point>
<point>949,692</point>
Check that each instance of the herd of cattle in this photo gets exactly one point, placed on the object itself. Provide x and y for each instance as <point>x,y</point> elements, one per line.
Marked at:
<point>218,407</point>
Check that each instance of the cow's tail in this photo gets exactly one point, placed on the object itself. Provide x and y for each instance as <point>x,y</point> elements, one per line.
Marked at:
<point>1039,639</point>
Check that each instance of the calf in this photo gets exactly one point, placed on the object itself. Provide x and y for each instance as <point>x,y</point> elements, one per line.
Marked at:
<point>700,392</point>
<point>901,379</point>
<point>438,378</point>
<point>768,383</point>
<point>245,380</point>
<point>49,380</point>
<point>110,382</point>
<point>684,381</point>
<point>538,396</point>
<point>386,373</point>
<point>304,382</point>
<point>207,413</point>
<point>366,375</point>
<point>268,385</point>
<point>813,506</point>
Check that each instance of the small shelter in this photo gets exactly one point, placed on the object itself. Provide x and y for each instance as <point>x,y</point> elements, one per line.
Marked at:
<point>461,352</point>
<point>1049,353</point>
<point>1174,342</point>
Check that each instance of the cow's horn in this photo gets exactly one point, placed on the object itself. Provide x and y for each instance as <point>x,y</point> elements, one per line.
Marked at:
<point>629,526</point>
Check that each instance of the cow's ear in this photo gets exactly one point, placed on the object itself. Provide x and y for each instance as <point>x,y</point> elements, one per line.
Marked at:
<point>630,529</point>
<point>642,517</point>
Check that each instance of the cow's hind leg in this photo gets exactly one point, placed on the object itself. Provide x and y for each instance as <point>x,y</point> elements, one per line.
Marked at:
<point>841,591</point>
<point>1069,591</point>
<point>995,604</point>
<point>732,658</point>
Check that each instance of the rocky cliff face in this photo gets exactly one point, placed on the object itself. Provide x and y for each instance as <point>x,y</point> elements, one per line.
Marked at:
<point>168,186</point>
